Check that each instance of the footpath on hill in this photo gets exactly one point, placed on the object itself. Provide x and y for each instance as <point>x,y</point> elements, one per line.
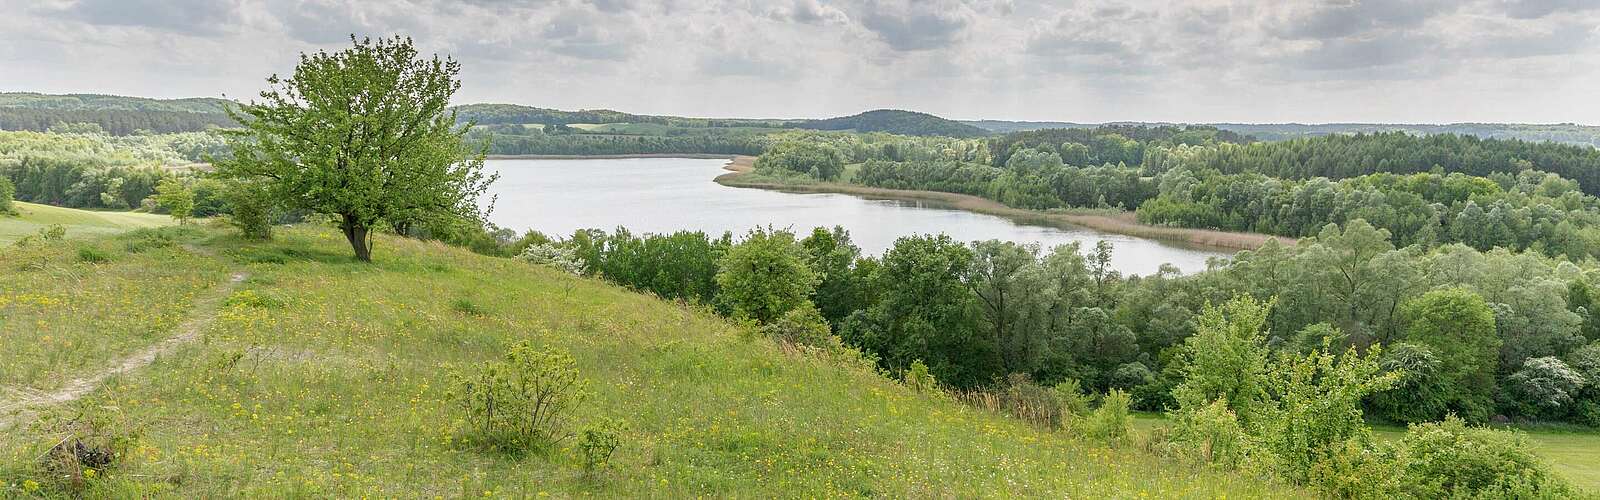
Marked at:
<point>202,313</point>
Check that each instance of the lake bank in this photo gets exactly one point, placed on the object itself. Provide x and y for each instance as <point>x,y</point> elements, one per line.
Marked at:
<point>1121,222</point>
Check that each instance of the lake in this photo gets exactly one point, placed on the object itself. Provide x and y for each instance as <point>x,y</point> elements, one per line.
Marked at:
<point>662,195</point>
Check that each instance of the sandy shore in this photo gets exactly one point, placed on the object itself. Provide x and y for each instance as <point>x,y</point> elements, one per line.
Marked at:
<point>1120,223</point>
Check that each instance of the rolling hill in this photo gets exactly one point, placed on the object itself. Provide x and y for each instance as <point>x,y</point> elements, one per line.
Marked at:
<point>895,121</point>
<point>316,376</point>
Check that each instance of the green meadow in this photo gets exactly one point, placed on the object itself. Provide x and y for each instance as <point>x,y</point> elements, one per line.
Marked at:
<point>34,217</point>
<point>318,376</point>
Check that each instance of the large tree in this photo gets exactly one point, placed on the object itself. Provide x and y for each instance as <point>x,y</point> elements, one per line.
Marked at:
<point>364,135</point>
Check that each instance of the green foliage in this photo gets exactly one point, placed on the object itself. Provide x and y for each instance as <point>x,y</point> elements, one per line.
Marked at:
<point>677,266</point>
<point>1314,407</point>
<point>93,254</point>
<point>923,311</point>
<point>918,378</point>
<point>842,288</point>
<point>372,120</point>
<point>1457,324</point>
<point>523,401</point>
<point>802,325</point>
<point>251,209</point>
<point>1546,384</point>
<point>1226,359</point>
<point>765,276</point>
<point>1110,422</point>
<point>815,159</point>
<point>176,197</point>
<point>1212,434</point>
<point>598,440</point>
<point>1448,459</point>
<point>8,192</point>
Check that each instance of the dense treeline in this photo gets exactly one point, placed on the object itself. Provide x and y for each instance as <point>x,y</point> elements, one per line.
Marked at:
<point>93,170</point>
<point>1477,334</point>
<point>535,142</point>
<point>113,121</point>
<point>1531,210</point>
<point>1342,156</point>
<point>1124,144</point>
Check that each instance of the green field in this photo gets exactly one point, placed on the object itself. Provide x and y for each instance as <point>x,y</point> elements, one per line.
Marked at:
<point>78,223</point>
<point>322,377</point>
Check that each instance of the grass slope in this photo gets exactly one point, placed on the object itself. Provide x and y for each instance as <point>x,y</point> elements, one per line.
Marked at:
<point>77,222</point>
<point>325,377</point>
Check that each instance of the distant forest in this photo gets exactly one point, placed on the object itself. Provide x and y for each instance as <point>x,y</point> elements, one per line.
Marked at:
<point>1567,133</point>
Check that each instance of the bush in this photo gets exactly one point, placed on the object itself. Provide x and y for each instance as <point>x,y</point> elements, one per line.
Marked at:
<point>598,441</point>
<point>1074,401</point>
<point>1211,434</point>
<point>918,379</point>
<point>1020,398</point>
<point>93,254</point>
<point>1450,459</point>
<point>521,402</point>
<point>251,209</point>
<point>561,257</point>
<point>1111,421</point>
<point>802,325</point>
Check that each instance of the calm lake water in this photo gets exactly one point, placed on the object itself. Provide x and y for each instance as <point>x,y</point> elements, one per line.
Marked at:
<point>662,195</point>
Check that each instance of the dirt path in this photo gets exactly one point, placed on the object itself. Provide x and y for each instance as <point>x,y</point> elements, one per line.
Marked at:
<point>1120,223</point>
<point>202,313</point>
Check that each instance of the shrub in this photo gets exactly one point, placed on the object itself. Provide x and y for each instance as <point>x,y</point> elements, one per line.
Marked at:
<point>1211,434</point>
<point>468,307</point>
<point>93,254</point>
<point>1111,421</point>
<point>561,257</point>
<point>1450,459</point>
<point>802,325</point>
<point>250,209</point>
<point>521,402</point>
<point>917,378</point>
<point>1545,385</point>
<point>1020,398</point>
<point>598,441</point>
<point>1073,400</point>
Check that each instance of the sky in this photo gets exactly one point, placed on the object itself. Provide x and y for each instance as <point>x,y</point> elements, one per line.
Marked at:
<point>1308,61</point>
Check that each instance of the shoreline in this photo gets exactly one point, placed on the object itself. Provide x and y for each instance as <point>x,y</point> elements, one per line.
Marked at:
<point>1122,223</point>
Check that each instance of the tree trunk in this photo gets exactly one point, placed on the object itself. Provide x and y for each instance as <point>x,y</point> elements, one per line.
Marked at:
<point>356,232</point>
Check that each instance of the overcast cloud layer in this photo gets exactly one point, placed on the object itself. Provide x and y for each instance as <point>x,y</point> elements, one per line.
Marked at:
<point>1086,61</point>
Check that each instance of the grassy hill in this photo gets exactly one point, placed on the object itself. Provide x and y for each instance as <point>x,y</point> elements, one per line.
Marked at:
<point>78,223</point>
<point>319,376</point>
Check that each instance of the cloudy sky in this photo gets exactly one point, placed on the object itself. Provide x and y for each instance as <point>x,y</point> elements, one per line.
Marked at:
<point>1082,60</point>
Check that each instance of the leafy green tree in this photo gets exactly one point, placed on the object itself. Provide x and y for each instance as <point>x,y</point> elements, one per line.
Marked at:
<point>923,311</point>
<point>1546,385</point>
<point>1226,358</point>
<point>7,192</point>
<point>1314,406</point>
<point>841,289</point>
<point>765,276</point>
<point>176,197</point>
<point>1458,325</point>
<point>365,135</point>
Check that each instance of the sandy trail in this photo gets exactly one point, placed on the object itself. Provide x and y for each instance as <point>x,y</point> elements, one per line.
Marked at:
<point>202,313</point>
